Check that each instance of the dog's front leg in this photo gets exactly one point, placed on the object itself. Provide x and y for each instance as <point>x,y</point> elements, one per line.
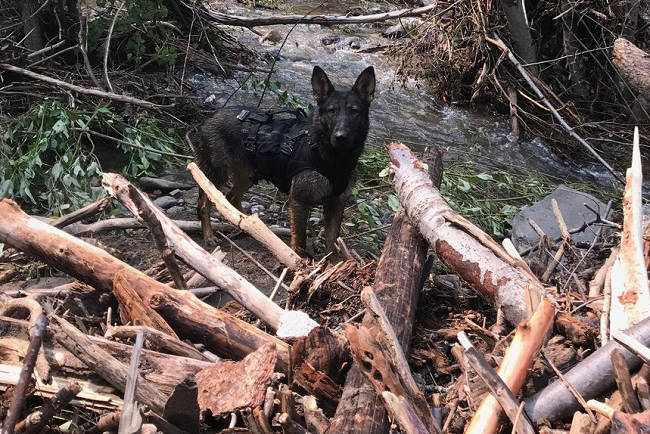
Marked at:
<point>203,210</point>
<point>298,214</point>
<point>333,212</point>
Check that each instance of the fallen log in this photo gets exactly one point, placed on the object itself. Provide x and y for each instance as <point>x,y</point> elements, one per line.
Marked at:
<point>513,369</point>
<point>191,318</point>
<point>634,66</point>
<point>464,248</point>
<point>630,296</point>
<point>233,20</point>
<point>360,409</point>
<point>591,377</point>
<point>286,323</point>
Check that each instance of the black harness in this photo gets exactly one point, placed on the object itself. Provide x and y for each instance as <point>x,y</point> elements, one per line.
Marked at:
<point>279,147</point>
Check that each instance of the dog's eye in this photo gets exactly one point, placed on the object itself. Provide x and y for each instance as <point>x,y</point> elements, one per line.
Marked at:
<point>331,109</point>
<point>354,110</point>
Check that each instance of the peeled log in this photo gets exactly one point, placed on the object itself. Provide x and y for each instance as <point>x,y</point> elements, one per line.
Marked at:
<point>189,317</point>
<point>475,257</point>
<point>634,66</point>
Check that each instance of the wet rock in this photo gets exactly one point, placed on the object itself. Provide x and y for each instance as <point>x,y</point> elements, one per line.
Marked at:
<point>175,211</point>
<point>275,208</point>
<point>257,209</point>
<point>165,202</point>
<point>272,35</point>
<point>353,42</point>
<point>402,28</point>
<point>329,40</point>
<point>314,220</point>
<point>570,202</point>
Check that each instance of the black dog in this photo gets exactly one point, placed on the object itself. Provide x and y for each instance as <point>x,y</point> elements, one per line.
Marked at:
<point>311,157</point>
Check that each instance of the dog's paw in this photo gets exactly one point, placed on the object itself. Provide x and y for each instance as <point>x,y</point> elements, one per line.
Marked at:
<point>210,242</point>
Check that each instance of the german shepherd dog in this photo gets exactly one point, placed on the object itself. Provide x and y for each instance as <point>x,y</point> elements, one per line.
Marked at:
<point>333,138</point>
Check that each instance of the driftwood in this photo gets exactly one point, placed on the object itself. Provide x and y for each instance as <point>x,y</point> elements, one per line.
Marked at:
<point>591,377</point>
<point>634,66</point>
<point>513,369</point>
<point>379,355</point>
<point>287,323</point>
<point>79,89</point>
<point>500,392</point>
<point>37,420</point>
<point>233,20</point>
<point>248,223</point>
<point>156,340</point>
<point>472,254</point>
<point>230,386</point>
<point>109,368</point>
<point>630,296</point>
<point>18,395</point>
<point>220,332</point>
<point>132,223</point>
<point>360,408</point>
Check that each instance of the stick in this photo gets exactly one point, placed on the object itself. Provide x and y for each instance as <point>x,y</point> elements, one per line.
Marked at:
<point>107,46</point>
<point>37,420</point>
<point>132,145</point>
<point>18,398</point>
<point>497,386</point>
<point>570,386</point>
<point>624,383</point>
<point>501,45</point>
<point>251,224</point>
<point>233,20</point>
<point>633,345</point>
<point>156,340</point>
<point>106,366</point>
<point>513,369</point>
<point>79,89</point>
<point>82,213</point>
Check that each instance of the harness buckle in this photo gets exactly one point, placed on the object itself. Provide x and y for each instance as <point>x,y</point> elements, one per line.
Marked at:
<point>243,114</point>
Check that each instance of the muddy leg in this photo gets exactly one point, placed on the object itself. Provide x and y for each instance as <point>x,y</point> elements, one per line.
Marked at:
<point>203,210</point>
<point>241,182</point>
<point>298,214</point>
<point>333,212</point>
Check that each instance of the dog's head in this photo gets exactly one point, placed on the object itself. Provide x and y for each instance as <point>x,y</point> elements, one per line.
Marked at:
<point>341,117</point>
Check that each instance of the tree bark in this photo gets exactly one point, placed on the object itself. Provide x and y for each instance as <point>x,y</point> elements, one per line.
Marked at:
<point>191,318</point>
<point>522,40</point>
<point>634,66</point>
<point>31,24</point>
<point>360,409</point>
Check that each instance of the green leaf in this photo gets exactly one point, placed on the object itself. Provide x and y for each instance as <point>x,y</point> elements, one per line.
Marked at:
<point>384,172</point>
<point>485,176</point>
<point>464,185</point>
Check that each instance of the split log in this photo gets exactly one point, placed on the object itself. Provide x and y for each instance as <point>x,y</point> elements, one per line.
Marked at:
<point>220,332</point>
<point>109,368</point>
<point>251,224</point>
<point>464,248</point>
<point>287,323</point>
<point>591,377</point>
<point>634,66</point>
<point>360,408</point>
<point>379,356</point>
<point>513,369</point>
<point>630,296</point>
<point>233,20</point>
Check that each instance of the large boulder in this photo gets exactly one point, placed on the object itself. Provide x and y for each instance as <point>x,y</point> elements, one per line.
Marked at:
<point>570,202</point>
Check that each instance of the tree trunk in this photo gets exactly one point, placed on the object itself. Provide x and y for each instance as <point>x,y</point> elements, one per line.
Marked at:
<point>522,40</point>
<point>360,409</point>
<point>31,24</point>
<point>190,317</point>
<point>634,66</point>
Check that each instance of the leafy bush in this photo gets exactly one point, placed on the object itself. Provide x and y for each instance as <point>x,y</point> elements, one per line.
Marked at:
<point>48,162</point>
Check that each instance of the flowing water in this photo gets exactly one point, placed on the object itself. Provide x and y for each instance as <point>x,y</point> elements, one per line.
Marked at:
<point>401,112</point>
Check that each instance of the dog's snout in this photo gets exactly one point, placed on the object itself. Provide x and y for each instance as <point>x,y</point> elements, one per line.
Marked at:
<point>340,137</point>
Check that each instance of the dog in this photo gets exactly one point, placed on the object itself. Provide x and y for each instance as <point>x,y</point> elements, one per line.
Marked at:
<point>312,157</point>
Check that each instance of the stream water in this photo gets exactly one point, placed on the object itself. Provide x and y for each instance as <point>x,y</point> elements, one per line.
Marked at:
<point>400,111</point>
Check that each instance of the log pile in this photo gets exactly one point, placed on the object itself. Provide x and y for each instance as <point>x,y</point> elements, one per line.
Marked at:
<point>347,350</point>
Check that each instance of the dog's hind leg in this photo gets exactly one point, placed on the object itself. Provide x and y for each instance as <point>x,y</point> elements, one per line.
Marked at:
<point>241,182</point>
<point>203,210</point>
<point>333,213</point>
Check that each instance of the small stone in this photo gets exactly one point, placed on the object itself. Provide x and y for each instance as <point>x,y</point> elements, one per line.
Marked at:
<point>275,208</point>
<point>329,40</point>
<point>257,209</point>
<point>314,220</point>
<point>175,192</point>
<point>209,99</point>
<point>165,202</point>
<point>246,206</point>
<point>175,210</point>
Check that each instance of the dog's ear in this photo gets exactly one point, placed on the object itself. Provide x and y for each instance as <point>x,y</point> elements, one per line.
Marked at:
<point>365,84</point>
<point>320,84</point>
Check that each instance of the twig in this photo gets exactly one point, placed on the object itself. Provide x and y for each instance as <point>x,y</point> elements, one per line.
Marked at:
<point>133,145</point>
<point>633,345</point>
<point>607,301</point>
<point>501,45</point>
<point>82,213</point>
<point>36,339</point>
<point>46,49</point>
<point>83,47</point>
<point>79,89</point>
<point>554,262</point>
<point>278,283</point>
<point>107,46</point>
<point>37,420</point>
<point>570,386</point>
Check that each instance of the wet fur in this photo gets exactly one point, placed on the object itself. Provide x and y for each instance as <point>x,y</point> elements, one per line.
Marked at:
<point>339,125</point>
